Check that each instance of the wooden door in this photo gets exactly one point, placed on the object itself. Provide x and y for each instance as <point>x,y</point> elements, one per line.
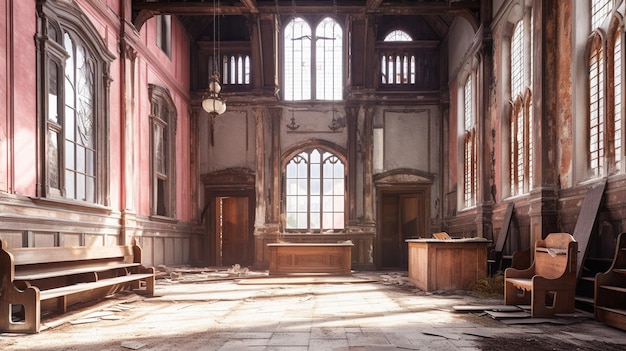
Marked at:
<point>403,216</point>
<point>390,246</point>
<point>235,231</point>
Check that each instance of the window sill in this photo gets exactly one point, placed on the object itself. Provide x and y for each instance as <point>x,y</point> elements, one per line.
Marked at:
<point>72,204</point>
<point>163,219</point>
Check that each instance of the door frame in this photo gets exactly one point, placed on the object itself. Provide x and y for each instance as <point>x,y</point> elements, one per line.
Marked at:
<point>399,189</point>
<point>213,249</point>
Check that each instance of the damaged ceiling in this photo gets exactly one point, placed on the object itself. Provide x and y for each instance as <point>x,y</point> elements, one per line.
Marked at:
<point>436,14</point>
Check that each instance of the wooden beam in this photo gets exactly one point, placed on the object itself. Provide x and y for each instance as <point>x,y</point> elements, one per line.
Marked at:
<point>251,5</point>
<point>372,4</point>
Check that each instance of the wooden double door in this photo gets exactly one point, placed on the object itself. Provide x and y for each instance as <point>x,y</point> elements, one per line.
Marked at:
<point>402,214</point>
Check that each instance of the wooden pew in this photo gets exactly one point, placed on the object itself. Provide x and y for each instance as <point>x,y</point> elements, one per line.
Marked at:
<point>52,278</point>
<point>549,284</point>
<point>610,289</point>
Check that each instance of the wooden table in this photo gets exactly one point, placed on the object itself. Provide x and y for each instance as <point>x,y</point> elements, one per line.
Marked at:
<point>452,264</point>
<point>290,258</point>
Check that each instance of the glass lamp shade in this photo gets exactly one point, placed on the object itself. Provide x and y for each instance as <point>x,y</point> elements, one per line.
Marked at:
<point>215,87</point>
<point>214,105</point>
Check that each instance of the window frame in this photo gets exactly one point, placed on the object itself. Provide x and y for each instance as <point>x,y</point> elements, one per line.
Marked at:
<point>470,138</point>
<point>520,132</point>
<point>295,151</point>
<point>55,19</point>
<point>313,23</point>
<point>162,200</point>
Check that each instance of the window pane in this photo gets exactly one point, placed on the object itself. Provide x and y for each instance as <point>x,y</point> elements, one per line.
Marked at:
<point>69,155</point>
<point>69,184</point>
<point>53,159</point>
<point>292,203</point>
<point>90,190</point>
<point>315,187</point>
<point>302,203</point>
<point>80,186</point>
<point>315,204</point>
<point>53,95</point>
<point>292,186</point>
<point>303,187</point>
<point>302,221</point>
<point>302,170</point>
<point>80,159</point>
<point>338,220</point>
<point>315,220</point>
<point>328,187</point>
<point>337,203</point>
<point>398,35</point>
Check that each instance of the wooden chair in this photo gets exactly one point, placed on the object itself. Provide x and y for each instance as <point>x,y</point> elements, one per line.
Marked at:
<point>549,284</point>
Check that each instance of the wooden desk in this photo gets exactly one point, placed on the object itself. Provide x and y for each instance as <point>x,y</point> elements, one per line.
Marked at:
<point>447,264</point>
<point>290,258</point>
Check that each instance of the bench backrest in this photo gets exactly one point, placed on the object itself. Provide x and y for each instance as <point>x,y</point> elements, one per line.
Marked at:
<point>555,255</point>
<point>29,258</point>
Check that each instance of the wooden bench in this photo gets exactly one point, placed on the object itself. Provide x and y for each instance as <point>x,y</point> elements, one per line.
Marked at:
<point>549,284</point>
<point>52,278</point>
<point>610,289</point>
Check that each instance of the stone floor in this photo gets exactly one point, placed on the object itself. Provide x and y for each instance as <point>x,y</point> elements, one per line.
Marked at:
<point>367,311</point>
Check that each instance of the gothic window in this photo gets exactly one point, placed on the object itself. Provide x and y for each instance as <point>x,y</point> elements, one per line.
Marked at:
<point>313,68</point>
<point>605,78</point>
<point>596,109</point>
<point>162,152</point>
<point>73,77</point>
<point>315,192</point>
<point>520,132</point>
<point>469,145</point>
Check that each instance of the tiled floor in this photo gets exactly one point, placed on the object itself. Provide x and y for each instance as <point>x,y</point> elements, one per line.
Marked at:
<point>380,312</point>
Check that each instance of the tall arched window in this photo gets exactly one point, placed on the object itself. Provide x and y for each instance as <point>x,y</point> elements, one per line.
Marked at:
<point>313,60</point>
<point>618,106</point>
<point>605,65</point>
<point>163,119</point>
<point>470,184</point>
<point>596,109</point>
<point>74,78</point>
<point>315,192</point>
<point>521,145</point>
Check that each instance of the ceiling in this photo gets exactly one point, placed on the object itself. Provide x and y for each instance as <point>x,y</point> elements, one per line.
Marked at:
<point>438,14</point>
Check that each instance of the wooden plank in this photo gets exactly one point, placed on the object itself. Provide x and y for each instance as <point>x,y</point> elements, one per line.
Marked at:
<point>586,220</point>
<point>35,255</point>
<point>77,288</point>
<point>480,308</point>
<point>42,273</point>
<point>504,231</point>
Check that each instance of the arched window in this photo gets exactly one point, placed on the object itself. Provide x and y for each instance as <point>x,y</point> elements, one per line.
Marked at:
<point>520,131</point>
<point>596,109</point>
<point>162,152</point>
<point>74,111</point>
<point>605,78</point>
<point>398,35</point>
<point>313,60</point>
<point>470,184</point>
<point>315,192</point>
<point>618,106</point>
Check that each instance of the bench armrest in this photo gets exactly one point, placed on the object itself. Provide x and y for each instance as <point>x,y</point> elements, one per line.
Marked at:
<point>519,273</point>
